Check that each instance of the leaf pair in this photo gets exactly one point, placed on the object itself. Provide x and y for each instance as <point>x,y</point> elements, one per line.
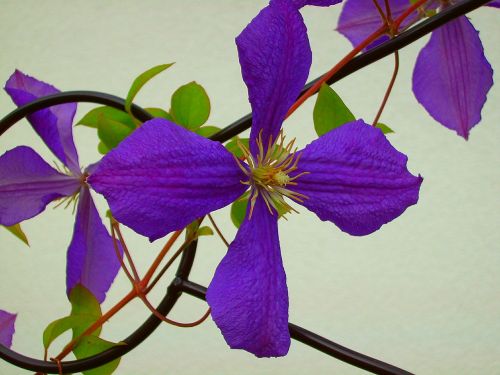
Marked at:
<point>85,310</point>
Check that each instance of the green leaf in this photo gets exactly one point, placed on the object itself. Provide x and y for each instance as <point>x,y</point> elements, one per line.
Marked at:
<point>190,106</point>
<point>59,326</point>
<point>238,211</point>
<point>158,112</point>
<point>385,129</point>
<point>140,81</point>
<point>330,112</point>
<point>84,304</point>
<point>85,310</point>
<point>17,231</point>
<point>111,132</point>
<point>207,130</point>
<point>91,345</point>
<point>205,231</point>
<point>232,146</point>
<point>91,119</point>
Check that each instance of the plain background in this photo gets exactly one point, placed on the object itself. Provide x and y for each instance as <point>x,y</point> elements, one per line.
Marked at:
<point>421,293</point>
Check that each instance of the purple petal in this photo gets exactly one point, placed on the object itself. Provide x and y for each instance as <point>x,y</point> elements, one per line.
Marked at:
<point>319,3</point>
<point>28,184</point>
<point>92,259</point>
<point>275,58</point>
<point>494,4</point>
<point>360,18</point>
<point>54,124</point>
<point>7,329</point>
<point>248,294</point>
<point>452,76</point>
<point>162,177</point>
<point>357,179</point>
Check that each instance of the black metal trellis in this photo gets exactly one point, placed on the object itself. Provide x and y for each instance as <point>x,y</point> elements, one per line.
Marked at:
<point>181,283</point>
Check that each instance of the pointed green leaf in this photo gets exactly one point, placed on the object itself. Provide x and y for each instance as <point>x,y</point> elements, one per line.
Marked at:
<point>385,129</point>
<point>91,119</point>
<point>207,130</point>
<point>190,106</point>
<point>330,112</point>
<point>111,132</point>
<point>91,345</point>
<point>17,231</point>
<point>158,112</point>
<point>233,148</point>
<point>140,81</point>
<point>84,304</point>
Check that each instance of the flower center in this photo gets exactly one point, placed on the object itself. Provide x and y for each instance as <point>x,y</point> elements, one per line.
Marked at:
<point>269,174</point>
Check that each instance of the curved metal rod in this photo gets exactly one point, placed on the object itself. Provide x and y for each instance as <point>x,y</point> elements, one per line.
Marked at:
<point>315,341</point>
<point>179,284</point>
<point>372,55</point>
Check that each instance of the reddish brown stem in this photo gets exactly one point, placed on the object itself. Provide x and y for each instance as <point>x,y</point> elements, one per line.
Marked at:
<point>407,12</point>
<point>389,88</point>
<point>98,323</point>
<point>379,32</point>
<point>170,321</point>
<point>381,12</point>
<point>119,256</point>
<point>126,252</point>
<point>218,230</point>
<point>375,35</point>
<point>160,257</point>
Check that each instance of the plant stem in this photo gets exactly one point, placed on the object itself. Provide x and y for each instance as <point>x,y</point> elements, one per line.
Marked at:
<point>98,323</point>
<point>378,33</point>
<point>371,38</point>
<point>160,257</point>
<point>389,88</point>
<point>218,230</point>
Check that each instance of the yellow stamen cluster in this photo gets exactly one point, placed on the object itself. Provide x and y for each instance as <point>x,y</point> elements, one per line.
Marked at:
<point>269,173</point>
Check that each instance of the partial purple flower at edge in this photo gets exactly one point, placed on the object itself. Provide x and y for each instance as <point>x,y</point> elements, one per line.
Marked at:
<point>28,184</point>
<point>7,328</point>
<point>163,176</point>
<point>451,77</point>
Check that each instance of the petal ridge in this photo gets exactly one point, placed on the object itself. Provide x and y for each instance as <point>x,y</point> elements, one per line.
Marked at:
<point>357,179</point>
<point>162,177</point>
<point>248,294</point>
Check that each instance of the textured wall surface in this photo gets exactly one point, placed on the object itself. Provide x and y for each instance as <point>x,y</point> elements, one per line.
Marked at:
<point>421,293</point>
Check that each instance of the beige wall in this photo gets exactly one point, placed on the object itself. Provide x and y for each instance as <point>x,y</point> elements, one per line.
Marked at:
<point>421,293</point>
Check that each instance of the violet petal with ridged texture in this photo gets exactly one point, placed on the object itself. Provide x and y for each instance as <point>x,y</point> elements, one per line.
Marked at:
<point>319,3</point>
<point>357,179</point>
<point>360,18</point>
<point>248,294</point>
<point>28,184</point>
<point>55,124</point>
<point>162,177</point>
<point>7,327</point>
<point>494,4</point>
<point>452,76</point>
<point>275,58</point>
<point>92,259</point>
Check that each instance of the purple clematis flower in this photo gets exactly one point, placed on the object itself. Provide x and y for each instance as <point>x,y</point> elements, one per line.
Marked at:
<point>28,184</point>
<point>7,329</point>
<point>163,177</point>
<point>451,77</point>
